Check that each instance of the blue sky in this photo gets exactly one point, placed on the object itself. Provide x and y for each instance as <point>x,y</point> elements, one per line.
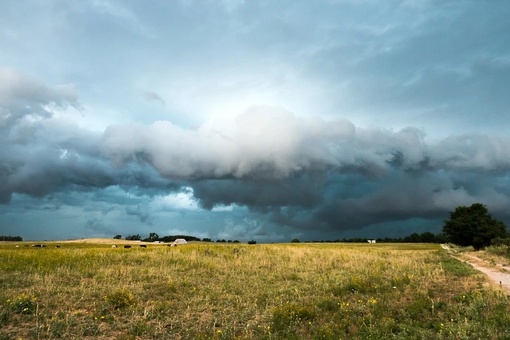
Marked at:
<point>266,120</point>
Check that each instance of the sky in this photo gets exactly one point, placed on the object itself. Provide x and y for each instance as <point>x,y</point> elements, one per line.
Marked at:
<point>267,120</point>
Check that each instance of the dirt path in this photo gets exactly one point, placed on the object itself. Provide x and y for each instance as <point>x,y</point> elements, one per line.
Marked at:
<point>499,274</point>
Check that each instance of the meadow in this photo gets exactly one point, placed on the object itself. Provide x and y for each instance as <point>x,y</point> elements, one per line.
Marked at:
<point>240,291</point>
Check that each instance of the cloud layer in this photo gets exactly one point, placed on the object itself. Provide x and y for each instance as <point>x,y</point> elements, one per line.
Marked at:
<point>302,173</point>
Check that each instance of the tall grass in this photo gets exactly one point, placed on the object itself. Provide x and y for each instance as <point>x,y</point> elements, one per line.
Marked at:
<point>227,291</point>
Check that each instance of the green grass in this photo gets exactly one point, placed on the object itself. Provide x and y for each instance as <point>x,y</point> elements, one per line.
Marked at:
<point>238,291</point>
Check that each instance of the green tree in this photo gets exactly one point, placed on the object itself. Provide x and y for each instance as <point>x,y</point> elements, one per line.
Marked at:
<point>117,237</point>
<point>473,226</point>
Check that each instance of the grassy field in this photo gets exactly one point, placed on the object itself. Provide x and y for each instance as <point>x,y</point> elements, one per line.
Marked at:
<point>239,291</point>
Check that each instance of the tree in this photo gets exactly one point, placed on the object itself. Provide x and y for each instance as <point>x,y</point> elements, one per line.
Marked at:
<point>136,237</point>
<point>117,237</point>
<point>11,238</point>
<point>473,226</point>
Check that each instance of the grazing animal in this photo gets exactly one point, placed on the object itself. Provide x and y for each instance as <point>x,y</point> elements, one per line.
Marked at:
<point>114,246</point>
<point>37,246</point>
<point>143,246</point>
<point>57,246</point>
<point>127,247</point>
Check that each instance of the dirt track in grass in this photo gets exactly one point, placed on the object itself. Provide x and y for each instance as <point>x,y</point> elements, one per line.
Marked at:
<point>498,273</point>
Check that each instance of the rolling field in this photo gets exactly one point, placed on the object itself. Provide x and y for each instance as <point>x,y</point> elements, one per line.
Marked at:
<point>239,291</point>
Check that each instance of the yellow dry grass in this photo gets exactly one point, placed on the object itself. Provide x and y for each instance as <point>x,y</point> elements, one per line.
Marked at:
<point>238,291</point>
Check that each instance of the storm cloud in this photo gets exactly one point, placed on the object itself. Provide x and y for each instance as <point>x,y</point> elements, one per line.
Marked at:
<point>268,120</point>
<point>343,176</point>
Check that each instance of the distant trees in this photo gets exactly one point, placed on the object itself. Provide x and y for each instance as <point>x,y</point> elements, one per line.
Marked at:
<point>11,238</point>
<point>426,237</point>
<point>117,237</point>
<point>136,237</point>
<point>473,226</point>
<point>152,237</point>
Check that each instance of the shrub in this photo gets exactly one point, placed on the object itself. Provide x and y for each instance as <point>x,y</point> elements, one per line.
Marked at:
<point>120,299</point>
<point>500,241</point>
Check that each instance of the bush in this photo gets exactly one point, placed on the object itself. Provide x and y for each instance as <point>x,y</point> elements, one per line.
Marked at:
<point>120,299</point>
<point>252,242</point>
<point>501,241</point>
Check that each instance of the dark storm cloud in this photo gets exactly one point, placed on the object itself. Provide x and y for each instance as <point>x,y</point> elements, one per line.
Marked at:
<point>304,173</point>
<point>319,174</point>
<point>142,213</point>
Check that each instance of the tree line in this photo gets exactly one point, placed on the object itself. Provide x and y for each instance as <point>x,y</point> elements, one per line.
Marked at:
<point>11,238</point>
<point>426,237</point>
